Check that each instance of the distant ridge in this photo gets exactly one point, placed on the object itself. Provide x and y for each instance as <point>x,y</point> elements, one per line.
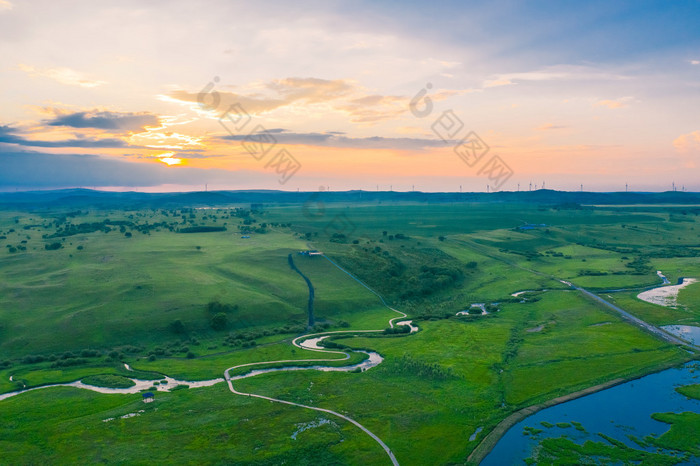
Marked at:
<point>83,198</point>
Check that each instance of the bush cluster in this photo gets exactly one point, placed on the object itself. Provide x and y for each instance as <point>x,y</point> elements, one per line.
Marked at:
<point>409,366</point>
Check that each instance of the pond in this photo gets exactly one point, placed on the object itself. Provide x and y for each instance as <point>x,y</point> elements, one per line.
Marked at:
<point>618,412</point>
<point>686,332</point>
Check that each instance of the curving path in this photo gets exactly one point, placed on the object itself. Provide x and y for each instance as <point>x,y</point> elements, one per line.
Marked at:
<point>310,343</point>
<point>310,306</point>
<point>229,381</point>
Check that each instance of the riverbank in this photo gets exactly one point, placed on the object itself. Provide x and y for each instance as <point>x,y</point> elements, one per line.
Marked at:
<point>493,437</point>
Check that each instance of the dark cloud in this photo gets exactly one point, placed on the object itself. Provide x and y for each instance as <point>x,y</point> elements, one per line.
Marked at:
<point>35,170</point>
<point>7,135</point>
<point>109,121</point>
<point>335,139</point>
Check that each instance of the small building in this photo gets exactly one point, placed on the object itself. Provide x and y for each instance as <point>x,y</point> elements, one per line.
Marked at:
<point>148,397</point>
<point>311,253</point>
<point>245,237</point>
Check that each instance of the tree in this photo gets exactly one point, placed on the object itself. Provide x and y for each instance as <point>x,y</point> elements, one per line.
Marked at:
<point>177,326</point>
<point>219,321</point>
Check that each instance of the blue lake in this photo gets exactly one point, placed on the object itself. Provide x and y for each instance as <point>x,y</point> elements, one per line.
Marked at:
<point>619,411</point>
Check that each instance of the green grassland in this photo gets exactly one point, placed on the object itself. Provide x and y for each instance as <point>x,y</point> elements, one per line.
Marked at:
<point>207,425</point>
<point>120,290</point>
<point>691,391</point>
<point>457,374</point>
<point>108,381</point>
<point>115,287</point>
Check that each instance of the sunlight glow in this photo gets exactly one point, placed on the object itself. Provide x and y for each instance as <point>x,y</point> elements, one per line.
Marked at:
<point>168,159</point>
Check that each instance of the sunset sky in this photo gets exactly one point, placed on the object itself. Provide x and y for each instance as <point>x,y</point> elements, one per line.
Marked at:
<point>176,95</point>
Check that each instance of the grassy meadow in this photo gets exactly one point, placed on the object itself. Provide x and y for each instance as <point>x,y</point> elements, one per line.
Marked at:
<point>180,292</point>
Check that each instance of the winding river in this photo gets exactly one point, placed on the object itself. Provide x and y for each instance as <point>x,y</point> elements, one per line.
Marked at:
<point>306,342</point>
<point>139,386</point>
<point>627,407</point>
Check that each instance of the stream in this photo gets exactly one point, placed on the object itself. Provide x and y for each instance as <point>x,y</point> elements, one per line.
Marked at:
<point>139,385</point>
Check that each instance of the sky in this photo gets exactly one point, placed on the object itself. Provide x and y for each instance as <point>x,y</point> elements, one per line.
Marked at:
<point>428,96</point>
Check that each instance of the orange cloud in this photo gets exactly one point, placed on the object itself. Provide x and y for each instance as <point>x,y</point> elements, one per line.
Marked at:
<point>62,75</point>
<point>613,104</point>
<point>338,95</point>
<point>312,89</point>
<point>498,82</point>
<point>165,140</point>
<point>688,142</point>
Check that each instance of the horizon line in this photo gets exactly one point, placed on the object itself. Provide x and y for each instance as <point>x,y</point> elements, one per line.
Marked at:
<point>96,190</point>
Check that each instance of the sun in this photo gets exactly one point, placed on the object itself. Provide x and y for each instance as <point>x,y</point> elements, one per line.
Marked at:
<point>168,159</point>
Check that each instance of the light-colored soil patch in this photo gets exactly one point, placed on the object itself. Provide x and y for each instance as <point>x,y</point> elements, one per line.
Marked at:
<point>665,295</point>
<point>414,329</point>
<point>539,328</point>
